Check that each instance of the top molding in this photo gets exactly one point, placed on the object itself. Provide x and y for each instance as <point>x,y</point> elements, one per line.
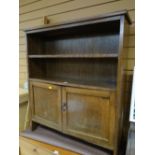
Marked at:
<point>83,21</point>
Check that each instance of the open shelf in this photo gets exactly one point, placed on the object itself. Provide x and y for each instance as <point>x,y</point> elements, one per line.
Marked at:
<point>90,72</point>
<point>95,39</point>
<point>83,56</point>
<point>109,55</point>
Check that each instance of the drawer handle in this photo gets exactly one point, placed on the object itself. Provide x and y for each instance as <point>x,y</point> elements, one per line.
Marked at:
<point>34,150</point>
<point>50,87</point>
<point>64,107</point>
<point>55,152</point>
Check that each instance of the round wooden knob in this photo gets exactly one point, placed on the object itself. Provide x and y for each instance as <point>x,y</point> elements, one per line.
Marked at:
<point>55,152</point>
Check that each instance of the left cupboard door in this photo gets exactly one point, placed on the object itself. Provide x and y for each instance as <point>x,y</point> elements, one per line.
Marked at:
<point>45,101</point>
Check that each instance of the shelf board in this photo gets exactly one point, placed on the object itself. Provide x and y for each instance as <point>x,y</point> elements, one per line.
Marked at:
<point>107,55</point>
<point>79,84</point>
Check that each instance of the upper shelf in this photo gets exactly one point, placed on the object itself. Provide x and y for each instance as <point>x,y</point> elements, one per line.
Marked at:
<point>108,55</point>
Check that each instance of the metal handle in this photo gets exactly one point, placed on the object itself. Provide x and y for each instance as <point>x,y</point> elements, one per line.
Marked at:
<point>34,150</point>
<point>55,152</point>
<point>64,107</point>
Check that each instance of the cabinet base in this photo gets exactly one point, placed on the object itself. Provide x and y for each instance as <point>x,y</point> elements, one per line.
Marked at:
<point>50,137</point>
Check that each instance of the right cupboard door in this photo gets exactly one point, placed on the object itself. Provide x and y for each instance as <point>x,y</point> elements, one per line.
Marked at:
<point>89,115</point>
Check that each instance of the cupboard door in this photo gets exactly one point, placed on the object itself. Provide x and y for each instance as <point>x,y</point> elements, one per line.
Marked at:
<point>89,115</point>
<point>46,104</point>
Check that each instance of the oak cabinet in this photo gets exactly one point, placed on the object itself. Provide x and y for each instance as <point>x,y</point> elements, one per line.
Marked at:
<point>77,78</point>
<point>46,104</point>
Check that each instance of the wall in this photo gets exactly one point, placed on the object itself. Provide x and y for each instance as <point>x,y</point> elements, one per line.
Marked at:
<point>32,13</point>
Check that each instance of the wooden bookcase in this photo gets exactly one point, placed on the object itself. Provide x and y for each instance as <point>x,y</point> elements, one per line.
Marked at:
<point>76,78</point>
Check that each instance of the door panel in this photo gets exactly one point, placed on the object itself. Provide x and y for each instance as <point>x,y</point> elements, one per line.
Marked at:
<point>46,104</point>
<point>89,115</point>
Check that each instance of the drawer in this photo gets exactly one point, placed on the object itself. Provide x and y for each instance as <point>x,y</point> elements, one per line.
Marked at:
<point>32,147</point>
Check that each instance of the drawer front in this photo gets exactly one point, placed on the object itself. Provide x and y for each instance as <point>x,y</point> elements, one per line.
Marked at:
<point>32,147</point>
<point>45,102</point>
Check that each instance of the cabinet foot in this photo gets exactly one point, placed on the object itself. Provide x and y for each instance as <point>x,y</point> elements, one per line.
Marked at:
<point>33,125</point>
